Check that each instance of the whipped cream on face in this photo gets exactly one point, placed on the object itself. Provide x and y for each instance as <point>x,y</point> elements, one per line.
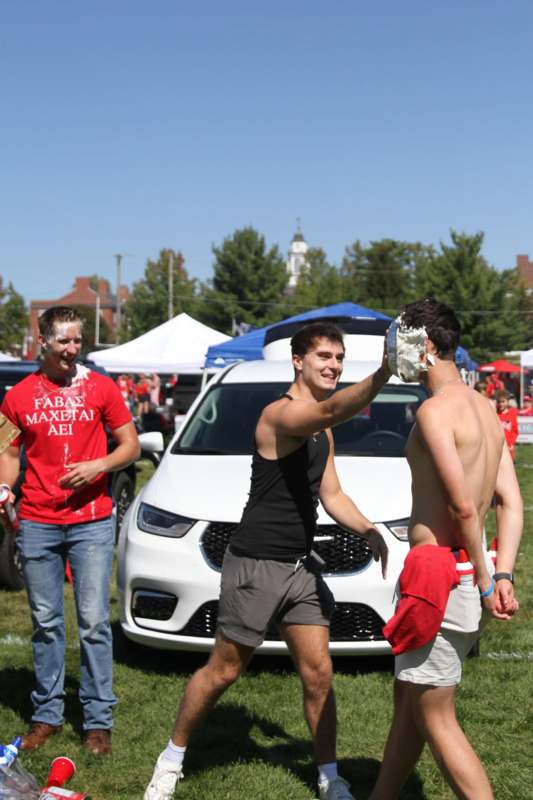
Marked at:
<point>405,348</point>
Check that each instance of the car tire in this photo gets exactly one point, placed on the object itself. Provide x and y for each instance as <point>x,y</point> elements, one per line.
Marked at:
<point>10,564</point>
<point>123,494</point>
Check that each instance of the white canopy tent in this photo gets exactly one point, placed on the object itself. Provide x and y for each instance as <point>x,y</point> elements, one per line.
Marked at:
<point>8,357</point>
<point>178,345</point>
<point>526,359</point>
<point>526,362</point>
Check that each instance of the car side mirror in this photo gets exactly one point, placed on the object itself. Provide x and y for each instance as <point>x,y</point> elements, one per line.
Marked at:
<point>152,442</point>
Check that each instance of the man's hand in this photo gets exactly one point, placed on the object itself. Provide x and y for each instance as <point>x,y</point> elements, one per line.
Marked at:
<point>493,602</point>
<point>385,366</point>
<point>380,551</point>
<point>506,602</point>
<point>80,474</point>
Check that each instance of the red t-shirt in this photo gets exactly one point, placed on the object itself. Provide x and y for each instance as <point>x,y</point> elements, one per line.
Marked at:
<point>63,425</point>
<point>509,422</point>
<point>124,387</point>
<point>142,388</point>
<point>493,385</point>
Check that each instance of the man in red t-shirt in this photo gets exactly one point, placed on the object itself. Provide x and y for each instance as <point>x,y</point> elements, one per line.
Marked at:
<point>62,412</point>
<point>509,419</point>
<point>494,384</point>
<point>527,408</point>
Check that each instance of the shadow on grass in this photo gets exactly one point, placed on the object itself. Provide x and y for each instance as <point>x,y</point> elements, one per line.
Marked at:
<point>180,662</point>
<point>17,685</point>
<point>232,733</point>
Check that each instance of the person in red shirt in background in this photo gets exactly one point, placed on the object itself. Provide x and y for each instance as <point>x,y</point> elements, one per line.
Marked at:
<point>509,419</point>
<point>125,385</point>
<point>62,412</point>
<point>142,390</point>
<point>527,408</point>
<point>494,384</point>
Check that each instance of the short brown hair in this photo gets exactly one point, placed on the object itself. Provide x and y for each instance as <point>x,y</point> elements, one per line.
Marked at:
<point>440,322</point>
<point>501,394</point>
<point>304,339</point>
<point>55,314</point>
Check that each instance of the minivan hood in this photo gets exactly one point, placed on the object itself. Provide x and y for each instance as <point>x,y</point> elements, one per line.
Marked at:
<point>216,487</point>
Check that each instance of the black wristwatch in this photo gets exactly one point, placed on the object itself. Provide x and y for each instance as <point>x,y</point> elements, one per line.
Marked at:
<point>500,576</point>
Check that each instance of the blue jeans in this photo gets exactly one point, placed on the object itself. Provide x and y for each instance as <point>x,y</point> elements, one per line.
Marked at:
<point>89,549</point>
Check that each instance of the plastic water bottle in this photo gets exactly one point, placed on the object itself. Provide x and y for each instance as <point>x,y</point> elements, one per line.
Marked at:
<point>10,752</point>
<point>16,783</point>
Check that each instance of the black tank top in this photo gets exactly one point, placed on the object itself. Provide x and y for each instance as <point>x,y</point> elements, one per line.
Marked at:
<point>279,520</point>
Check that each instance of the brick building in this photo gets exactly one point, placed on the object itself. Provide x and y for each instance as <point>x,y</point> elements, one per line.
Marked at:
<point>81,295</point>
<point>525,271</point>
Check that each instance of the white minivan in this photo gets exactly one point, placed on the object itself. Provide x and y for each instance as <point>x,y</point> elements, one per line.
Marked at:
<point>173,538</point>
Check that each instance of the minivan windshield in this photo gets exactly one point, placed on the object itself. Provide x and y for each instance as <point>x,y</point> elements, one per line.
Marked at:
<point>225,420</point>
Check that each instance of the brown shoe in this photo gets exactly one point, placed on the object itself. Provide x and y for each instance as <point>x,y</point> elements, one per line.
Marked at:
<point>37,735</point>
<point>98,741</point>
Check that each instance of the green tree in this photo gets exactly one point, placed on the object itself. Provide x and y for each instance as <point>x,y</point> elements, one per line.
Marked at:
<point>381,275</point>
<point>516,311</point>
<point>88,318</point>
<point>319,284</point>
<point>491,306</point>
<point>147,305</point>
<point>13,319</point>
<point>247,285</point>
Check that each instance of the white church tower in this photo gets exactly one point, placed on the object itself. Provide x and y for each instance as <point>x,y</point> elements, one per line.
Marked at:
<point>296,262</point>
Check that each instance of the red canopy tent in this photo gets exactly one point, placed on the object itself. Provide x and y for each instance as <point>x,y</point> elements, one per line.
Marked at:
<point>500,365</point>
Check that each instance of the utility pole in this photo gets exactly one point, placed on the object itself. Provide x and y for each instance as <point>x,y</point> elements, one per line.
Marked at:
<point>118,318</point>
<point>170,284</point>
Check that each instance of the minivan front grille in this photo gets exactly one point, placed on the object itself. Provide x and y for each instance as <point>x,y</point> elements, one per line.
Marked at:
<point>342,551</point>
<point>351,622</point>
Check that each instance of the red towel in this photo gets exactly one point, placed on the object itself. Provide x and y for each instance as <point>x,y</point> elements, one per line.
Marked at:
<point>426,580</point>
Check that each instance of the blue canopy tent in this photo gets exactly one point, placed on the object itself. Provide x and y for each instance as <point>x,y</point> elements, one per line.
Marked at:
<point>250,346</point>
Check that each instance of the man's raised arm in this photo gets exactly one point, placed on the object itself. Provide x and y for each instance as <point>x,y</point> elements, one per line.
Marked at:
<point>306,418</point>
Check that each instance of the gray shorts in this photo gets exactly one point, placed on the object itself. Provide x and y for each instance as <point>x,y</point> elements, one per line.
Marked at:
<point>255,592</point>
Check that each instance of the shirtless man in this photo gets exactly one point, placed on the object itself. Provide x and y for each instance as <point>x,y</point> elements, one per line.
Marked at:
<point>459,462</point>
<point>269,573</point>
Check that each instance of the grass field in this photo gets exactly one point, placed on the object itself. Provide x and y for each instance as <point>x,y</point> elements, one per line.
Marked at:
<point>255,744</point>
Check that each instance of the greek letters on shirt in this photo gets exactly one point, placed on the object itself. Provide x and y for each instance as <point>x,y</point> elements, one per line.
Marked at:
<point>60,412</point>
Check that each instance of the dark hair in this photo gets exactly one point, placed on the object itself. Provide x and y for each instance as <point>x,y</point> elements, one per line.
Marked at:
<point>56,314</point>
<point>481,386</point>
<point>501,394</point>
<point>440,322</point>
<point>304,339</point>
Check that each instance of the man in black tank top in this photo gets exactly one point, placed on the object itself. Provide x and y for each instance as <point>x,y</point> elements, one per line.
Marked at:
<point>270,574</point>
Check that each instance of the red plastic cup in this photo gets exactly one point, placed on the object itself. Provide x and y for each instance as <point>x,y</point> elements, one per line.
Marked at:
<point>61,770</point>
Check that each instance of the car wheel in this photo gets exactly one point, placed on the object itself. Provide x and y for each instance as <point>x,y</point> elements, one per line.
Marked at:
<point>10,564</point>
<point>123,494</point>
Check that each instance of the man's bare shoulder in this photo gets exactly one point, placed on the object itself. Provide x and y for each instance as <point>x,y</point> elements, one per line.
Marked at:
<point>273,409</point>
<point>433,409</point>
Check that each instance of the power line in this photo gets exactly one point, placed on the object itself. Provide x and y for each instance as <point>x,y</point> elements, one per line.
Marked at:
<point>390,311</point>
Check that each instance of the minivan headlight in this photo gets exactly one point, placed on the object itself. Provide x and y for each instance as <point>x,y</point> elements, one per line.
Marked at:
<point>399,528</point>
<point>162,523</point>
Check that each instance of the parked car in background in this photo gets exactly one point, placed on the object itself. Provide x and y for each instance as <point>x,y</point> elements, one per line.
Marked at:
<point>175,533</point>
<point>122,482</point>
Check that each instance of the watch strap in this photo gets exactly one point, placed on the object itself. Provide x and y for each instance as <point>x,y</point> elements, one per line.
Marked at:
<point>499,576</point>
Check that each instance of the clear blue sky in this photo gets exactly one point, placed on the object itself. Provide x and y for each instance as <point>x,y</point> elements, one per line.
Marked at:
<point>129,126</point>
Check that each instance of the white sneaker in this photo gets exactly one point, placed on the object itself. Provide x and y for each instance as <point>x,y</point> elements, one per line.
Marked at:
<point>163,782</point>
<point>338,789</point>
